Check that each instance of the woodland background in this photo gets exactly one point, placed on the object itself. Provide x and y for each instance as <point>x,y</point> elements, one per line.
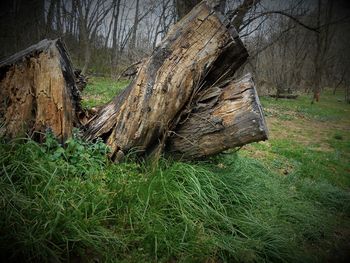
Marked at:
<point>294,45</point>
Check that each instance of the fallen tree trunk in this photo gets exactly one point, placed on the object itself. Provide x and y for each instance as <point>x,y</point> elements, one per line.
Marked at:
<point>197,52</point>
<point>225,116</point>
<point>38,91</point>
<point>183,90</point>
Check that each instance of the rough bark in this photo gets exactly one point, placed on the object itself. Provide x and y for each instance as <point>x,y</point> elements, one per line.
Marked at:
<point>196,53</point>
<point>184,90</point>
<point>80,80</point>
<point>227,115</point>
<point>38,91</point>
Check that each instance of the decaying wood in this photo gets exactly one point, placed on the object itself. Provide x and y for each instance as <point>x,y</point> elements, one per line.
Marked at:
<point>80,80</point>
<point>197,52</point>
<point>225,116</point>
<point>131,71</point>
<point>38,91</point>
<point>183,97</point>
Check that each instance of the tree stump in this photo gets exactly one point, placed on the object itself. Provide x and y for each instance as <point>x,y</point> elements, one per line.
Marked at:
<point>38,92</point>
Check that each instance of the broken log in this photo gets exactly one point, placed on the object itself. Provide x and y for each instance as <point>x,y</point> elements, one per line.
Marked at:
<point>184,90</point>
<point>197,51</point>
<point>38,92</point>
<point>225,116</point>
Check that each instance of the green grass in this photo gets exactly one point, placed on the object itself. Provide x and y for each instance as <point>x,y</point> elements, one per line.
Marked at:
<point>329,108</point>
<point>285,200</point>
<point>101,90</point>
<point>313,142</point>
<point>232,208</point>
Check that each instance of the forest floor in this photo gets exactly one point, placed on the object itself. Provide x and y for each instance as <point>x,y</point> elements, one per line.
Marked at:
<point>314,138</point>
<point>283,200</point>
<point>312,141</point>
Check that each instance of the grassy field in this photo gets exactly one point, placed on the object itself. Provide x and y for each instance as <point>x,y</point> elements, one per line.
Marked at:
<point>283,200</point>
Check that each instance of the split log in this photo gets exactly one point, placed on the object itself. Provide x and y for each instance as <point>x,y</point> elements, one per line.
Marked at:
<point>38,91</point>
<point>225,116</point>
<point>198,51</point>
<point>184,88</point>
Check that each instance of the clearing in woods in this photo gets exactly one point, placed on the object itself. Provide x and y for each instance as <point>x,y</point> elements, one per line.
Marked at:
<point>308,146</point>
<point>286,199</point>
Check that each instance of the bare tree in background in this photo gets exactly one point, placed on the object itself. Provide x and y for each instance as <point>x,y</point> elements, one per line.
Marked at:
<point>115,18</point>
<point>163,21</point>
<point>323,41</point>
<point>21,23</point>
<point>184,6</point>
<point>91,15</point>
<point>108,35</point>
<point>134,27</point>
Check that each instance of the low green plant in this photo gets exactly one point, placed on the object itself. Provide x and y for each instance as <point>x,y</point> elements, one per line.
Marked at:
<point>81,156</point>
<point>338,136</point>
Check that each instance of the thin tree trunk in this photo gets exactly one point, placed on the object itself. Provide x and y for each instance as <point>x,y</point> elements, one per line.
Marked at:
<point>58,16</point>
<point>134,30</point>
<point>110,25</point>
<point>323,40</point>
<point>84,36</point>
<point>50,16</point>
<point>115,39</point>
<point>317,59</point>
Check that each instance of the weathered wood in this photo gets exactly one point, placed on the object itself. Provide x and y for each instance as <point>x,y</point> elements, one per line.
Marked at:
<point>80,80</point>
<point>198,50</point>
<point>131,71</point>
<point>184,90</point>
<point>38,92</point>
<point>225,116</point>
